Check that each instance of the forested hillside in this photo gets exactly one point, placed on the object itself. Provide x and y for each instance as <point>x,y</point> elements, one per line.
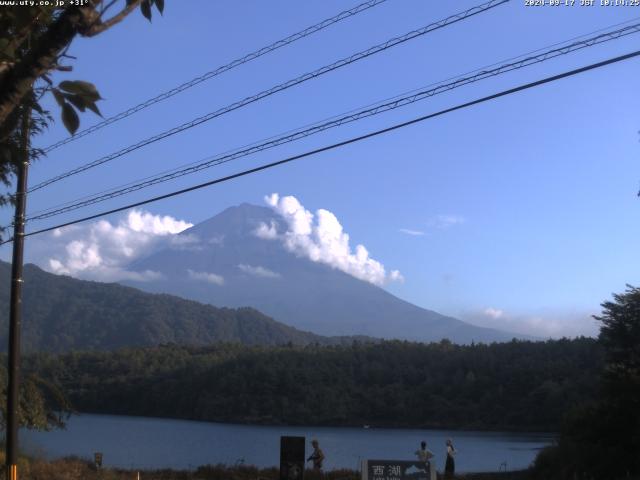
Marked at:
<point>62,314</point>
<point>516,385</point>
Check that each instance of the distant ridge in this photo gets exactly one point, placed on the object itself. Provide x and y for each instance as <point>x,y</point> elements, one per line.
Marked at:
<point>299,292</point>
<point>63,314</point>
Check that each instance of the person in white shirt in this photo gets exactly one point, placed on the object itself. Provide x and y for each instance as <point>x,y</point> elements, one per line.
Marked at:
<point>424,456</point>
<point>317,457</point>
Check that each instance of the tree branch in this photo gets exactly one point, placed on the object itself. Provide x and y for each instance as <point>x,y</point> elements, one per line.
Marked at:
<point>17,79</point>
<point>102,26</point>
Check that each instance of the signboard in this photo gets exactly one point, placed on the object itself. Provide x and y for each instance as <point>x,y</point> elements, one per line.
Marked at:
<point>292,458</point>
<point>397,470</point>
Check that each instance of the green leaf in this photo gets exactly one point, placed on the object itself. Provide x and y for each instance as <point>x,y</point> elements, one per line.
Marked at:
<point>160,6</point>
<point>93,107</point>
<point>57,94</point>
<point>69,86</point>
<point>145,8</point>
<point>77,100</point>
<point>70,118</point>
<point>79,87</point>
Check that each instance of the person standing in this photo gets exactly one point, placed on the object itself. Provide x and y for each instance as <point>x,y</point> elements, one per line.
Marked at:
<point>450,464</point>
<point>317,457</point>
<point>424,456</point>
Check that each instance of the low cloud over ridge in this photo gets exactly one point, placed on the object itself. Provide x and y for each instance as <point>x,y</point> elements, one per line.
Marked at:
<point>321,238</point>
<point>101,250</point>
<point>543,323</point>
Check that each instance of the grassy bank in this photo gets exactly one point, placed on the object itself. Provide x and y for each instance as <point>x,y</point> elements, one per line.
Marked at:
<point>81,469</point>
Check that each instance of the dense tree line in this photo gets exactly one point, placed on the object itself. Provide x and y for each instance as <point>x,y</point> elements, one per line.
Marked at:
<point>516,385</point>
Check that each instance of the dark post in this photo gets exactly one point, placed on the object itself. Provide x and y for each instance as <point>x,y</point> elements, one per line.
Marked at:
<point>292,458</point>
<point>15,315</point>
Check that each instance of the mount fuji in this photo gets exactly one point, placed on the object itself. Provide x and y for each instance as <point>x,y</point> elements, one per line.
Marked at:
<point>223,261</point>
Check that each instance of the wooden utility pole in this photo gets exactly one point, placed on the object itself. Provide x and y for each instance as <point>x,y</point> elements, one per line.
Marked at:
<point>15,312</point>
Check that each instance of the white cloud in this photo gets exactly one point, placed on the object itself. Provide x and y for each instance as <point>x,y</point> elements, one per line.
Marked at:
<point>415,233</point>
<point>206,277</point>
<point>396,276</point>
<point>321,238</point>
<point>258,271</point>
<point>101,250</point>
<point>146,222</point>
<point>493,313</point>
<point>542,324</point>
<point>184,242</point>
<point>446,221</point>
<point>266,232</point>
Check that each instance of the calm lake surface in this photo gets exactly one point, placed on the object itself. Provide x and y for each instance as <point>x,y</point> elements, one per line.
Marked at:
<point>137,442</point>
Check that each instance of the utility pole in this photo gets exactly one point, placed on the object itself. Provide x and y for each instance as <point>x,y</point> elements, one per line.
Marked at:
<point>15,312</point>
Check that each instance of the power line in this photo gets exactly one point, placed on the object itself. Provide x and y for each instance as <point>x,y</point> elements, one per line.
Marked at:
<point>220,70</point>
<point>278,88</point>
<point>395,103</point>
<point>267,166</point>
<point>388,99</point>
<point>454,77</point>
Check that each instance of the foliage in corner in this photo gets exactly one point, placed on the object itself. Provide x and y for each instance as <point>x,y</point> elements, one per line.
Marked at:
<point>34,41</point>
<point>43,405</point>
<point>602,439</point>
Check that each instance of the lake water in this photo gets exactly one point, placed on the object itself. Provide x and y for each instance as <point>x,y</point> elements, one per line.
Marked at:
<point>137,442</point>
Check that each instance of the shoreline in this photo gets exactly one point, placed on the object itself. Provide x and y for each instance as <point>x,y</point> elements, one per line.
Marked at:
<point>147,443</point>
<point>258,423</point>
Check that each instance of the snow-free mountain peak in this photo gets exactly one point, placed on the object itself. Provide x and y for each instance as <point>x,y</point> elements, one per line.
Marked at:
<point>233,259</point>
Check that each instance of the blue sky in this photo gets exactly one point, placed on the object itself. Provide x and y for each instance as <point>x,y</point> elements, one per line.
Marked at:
<point>526,206</point>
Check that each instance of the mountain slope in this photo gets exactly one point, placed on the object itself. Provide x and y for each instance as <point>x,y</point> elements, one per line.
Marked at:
<point>261,273</point>
<point>62,313</point>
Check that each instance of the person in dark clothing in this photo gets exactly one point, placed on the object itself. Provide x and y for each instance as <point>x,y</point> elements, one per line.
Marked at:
<point>317,457</point>
<point>450,464</point>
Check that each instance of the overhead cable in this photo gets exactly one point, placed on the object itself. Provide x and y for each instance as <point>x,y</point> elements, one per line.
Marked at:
<point>310,153</point>
<point>393,104</point>
<point>218,71</point>
<point>388,99</point>
<point>278,88</point>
